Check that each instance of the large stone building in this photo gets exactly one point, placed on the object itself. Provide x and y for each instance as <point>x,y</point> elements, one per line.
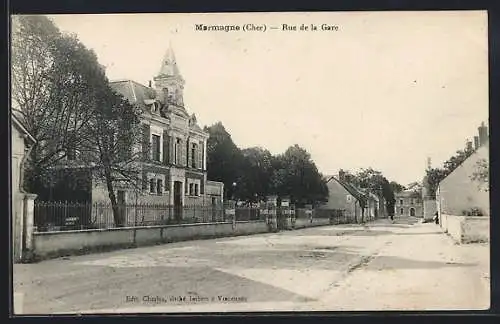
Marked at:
<point>173,168</point>
<point>409,202</point>
<point>176,171</point>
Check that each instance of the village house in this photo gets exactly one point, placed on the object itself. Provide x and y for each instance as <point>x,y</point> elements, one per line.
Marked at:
<point>174,172</point>
<point>409,202</point>
<point>22,202</point>
<point>344,196</point>
<point>461,198</point>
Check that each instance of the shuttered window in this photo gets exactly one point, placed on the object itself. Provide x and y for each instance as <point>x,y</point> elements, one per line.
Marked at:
<point>182,149</point>
<point>156,147</point>
<point>200,156</point>
<point>166,148</point>
<point>159,186</point>
<point>194,155</point>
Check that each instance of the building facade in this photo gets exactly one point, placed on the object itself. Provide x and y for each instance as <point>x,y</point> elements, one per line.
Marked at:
<point>346,197</point>
<point>22,202</point>
<point>409,203</point>
<point>175,170</point>
<point>459,194</point>
<point>173,167</point>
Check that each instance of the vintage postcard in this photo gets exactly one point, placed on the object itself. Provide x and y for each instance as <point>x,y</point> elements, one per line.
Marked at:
<point>250,162</point>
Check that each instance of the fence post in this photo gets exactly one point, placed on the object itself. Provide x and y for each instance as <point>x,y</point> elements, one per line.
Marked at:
<point>28,215</point>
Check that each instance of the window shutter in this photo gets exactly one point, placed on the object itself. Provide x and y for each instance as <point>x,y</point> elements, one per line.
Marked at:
<point>188,153</point>
<point>166,147</point>
<point>146,133</point>
<point>182,149</point>
<point>171,149</point>
<point>199,150</point>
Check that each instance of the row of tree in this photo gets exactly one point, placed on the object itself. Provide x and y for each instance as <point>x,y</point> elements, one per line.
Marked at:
<point>62,96</point>
<point>252,174</point>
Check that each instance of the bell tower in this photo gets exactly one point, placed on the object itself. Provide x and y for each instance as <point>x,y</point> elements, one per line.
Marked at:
<point>169,83</point>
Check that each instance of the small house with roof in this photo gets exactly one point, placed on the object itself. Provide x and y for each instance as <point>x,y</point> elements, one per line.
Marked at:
<point>461,195</point>
<point>458,193</point>
<point>355,202</point>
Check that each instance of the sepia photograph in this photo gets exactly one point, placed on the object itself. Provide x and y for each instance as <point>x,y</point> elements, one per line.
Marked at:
<point>249,162</point>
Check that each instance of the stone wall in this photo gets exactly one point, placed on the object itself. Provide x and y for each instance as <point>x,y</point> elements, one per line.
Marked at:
<point>430,208</point>
<point>51,244</point>
<point>467,229</point>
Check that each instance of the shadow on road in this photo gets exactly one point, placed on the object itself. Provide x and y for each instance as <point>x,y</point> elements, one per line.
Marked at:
<point>384,262</point>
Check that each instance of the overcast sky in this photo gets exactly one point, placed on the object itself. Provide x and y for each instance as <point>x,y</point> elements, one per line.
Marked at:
<point>387,90</point>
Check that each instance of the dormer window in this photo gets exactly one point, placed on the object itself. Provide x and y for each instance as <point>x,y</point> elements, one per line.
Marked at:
<point>155,108</point>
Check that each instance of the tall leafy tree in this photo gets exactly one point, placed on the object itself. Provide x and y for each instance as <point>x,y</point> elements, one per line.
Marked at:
<point>460,156</point>
<point>55,80</point>
<point>433,177</point>
<point>297,176</point>
<point>481,174</point>
<point>224,159</point>
<point>396,187</point>
<point>256,173</point>
<point>111,145</point>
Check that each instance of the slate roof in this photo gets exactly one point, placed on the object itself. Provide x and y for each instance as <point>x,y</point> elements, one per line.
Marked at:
<point>16,118</point>
<point>407,194</point>
<point>355,192</point>
<point>134,92</point>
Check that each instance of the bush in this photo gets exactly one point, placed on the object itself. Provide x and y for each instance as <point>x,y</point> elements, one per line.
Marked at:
<point>475,211</point>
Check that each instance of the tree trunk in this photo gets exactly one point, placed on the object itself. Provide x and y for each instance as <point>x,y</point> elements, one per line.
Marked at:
<point>112,197</point>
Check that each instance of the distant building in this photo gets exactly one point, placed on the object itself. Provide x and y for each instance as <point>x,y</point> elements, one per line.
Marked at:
<point>344,196</point>
<point>458,194</point>
<point>409,202</point>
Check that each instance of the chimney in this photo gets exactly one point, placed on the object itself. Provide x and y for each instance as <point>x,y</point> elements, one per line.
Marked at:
<point>150,83</point>
<point>483,134</point>
<point>341,175</point>
<point>468,145</point>
<point>476,142</point>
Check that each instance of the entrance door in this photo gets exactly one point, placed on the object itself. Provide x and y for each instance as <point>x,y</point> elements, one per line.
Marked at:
<point>178,200</point>
<point>412,212</point>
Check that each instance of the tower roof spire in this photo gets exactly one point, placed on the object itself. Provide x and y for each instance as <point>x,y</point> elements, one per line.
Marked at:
<point>169,63</point>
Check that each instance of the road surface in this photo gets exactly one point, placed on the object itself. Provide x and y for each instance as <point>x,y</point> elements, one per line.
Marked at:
<point>380,266</point>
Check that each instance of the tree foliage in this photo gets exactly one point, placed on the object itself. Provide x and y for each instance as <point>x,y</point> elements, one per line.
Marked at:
<point>396,187</point>
<point>481,174</point>
<point>55,85</point>
<point>435,175</point>
<point>375,182</point>
<point>64,99</point>
<point>224,158</point>
<point>256,173</point>
<point>295,175</point>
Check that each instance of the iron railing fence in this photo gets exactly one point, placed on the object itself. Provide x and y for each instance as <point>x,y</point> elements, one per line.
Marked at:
<point>65,216</point>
